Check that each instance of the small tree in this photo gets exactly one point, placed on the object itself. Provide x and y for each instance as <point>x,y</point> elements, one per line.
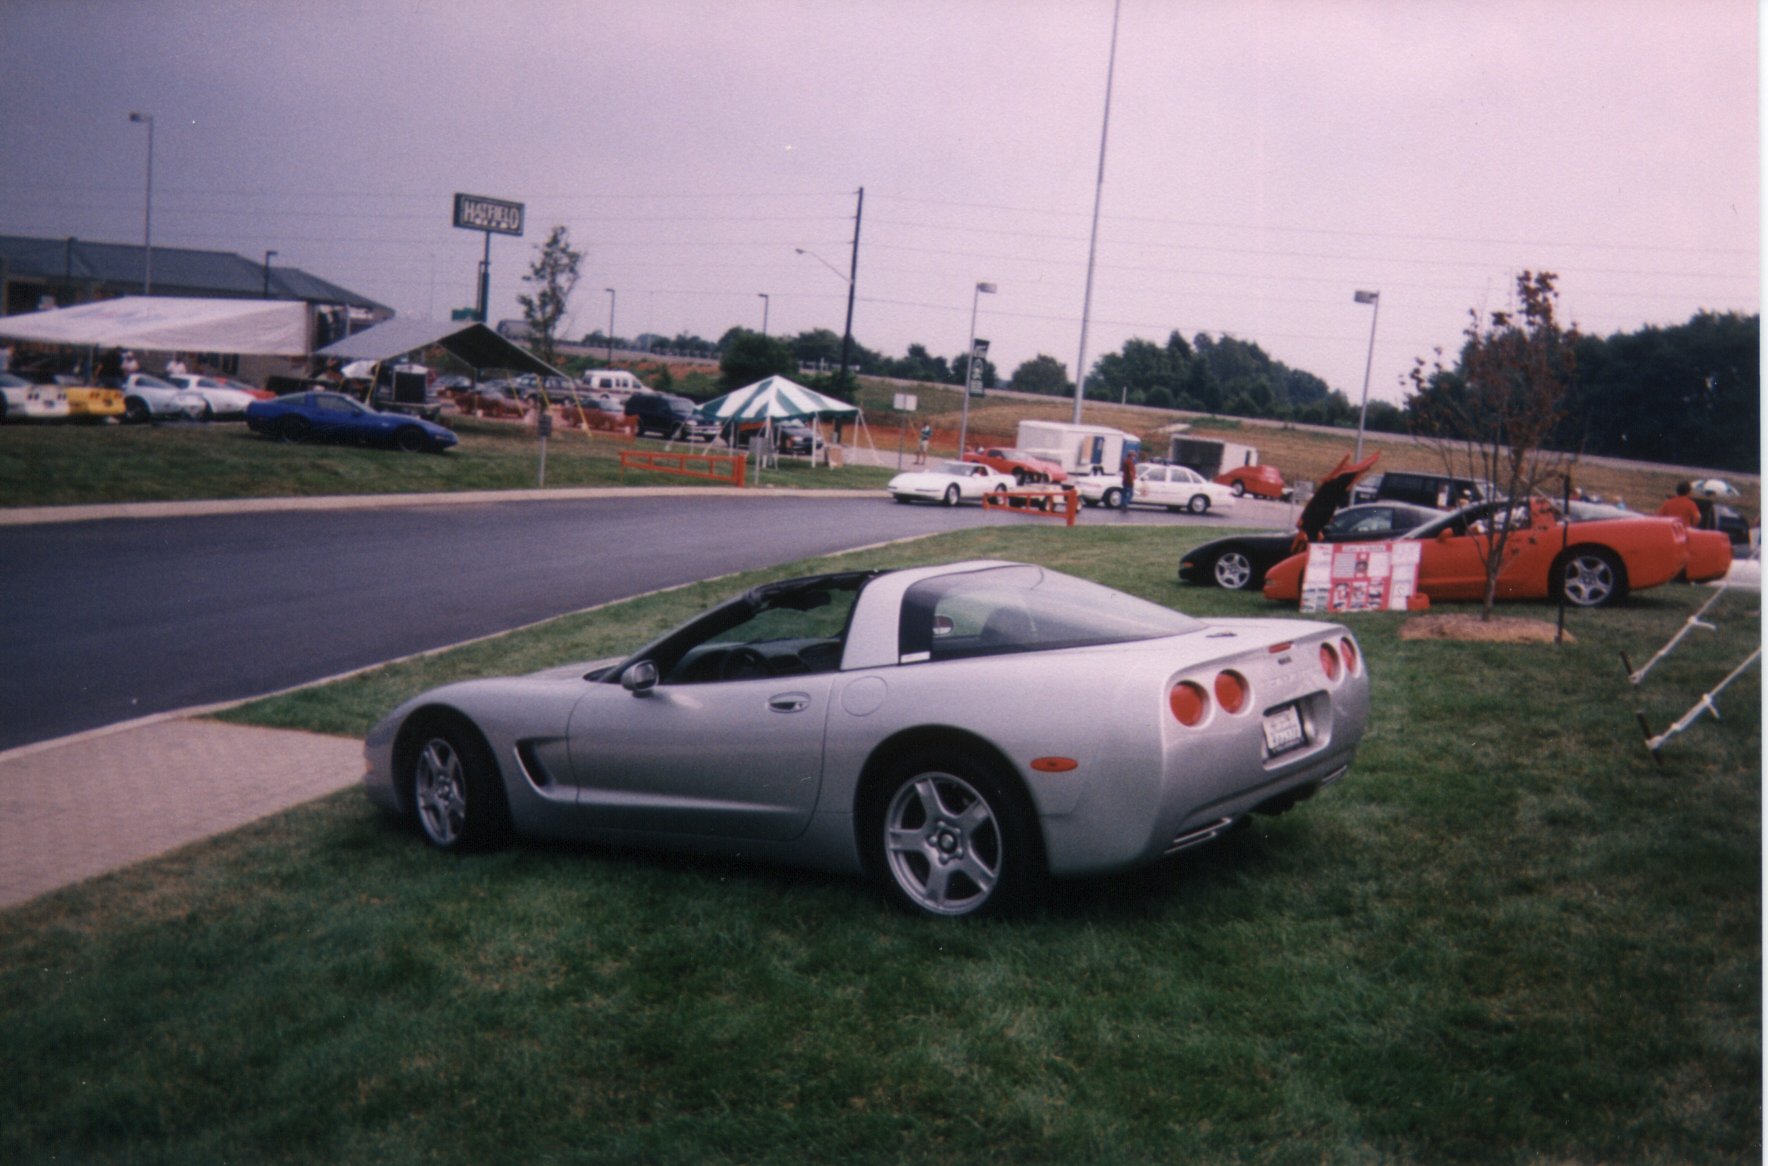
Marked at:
<point>1490,417</point>
<point>750,356</point>
<point>554,276</point>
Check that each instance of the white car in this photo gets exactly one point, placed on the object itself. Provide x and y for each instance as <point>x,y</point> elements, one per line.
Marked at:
<point>223,400</point>
<point>147,397</point>
<point>1174,487</point>
<point>950,483</point>
<point>20,400</point>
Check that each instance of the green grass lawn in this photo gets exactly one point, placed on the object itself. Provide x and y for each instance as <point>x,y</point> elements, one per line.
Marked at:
<point>1508,936</point>
<point>59,465</point>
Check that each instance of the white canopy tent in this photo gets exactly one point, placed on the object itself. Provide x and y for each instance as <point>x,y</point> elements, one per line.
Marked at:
<point>171,324</point>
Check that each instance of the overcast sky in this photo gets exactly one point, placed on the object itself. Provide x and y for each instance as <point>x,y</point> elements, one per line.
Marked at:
<point>1265,159</point>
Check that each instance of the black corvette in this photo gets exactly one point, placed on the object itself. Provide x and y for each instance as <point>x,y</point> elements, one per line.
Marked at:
<point>1239,562</point>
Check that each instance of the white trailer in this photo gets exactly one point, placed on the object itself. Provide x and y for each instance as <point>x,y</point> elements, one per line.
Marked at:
<point>1210,457</point>
<point>1077,448</point>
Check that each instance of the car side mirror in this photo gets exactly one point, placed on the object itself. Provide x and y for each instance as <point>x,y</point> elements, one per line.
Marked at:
<point>640,678</point>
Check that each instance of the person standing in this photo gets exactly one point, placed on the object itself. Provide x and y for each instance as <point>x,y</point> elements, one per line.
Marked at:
<point>926,439</point>
<point>1128,470</point>
<point>1682,506</point>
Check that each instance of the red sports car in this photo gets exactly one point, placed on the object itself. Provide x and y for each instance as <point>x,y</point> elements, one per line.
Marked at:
<point>1259,481</point>
<point>1592,563</point>
<point>1023,466</point>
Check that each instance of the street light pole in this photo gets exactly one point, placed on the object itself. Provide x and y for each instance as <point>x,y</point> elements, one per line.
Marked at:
<point>1367,297</point>
<point>849,283</point>
<point>611,300</point>
<point>765,304</point>
<point>268,256</point>
<point>147,219</point>
<point>972,374</point>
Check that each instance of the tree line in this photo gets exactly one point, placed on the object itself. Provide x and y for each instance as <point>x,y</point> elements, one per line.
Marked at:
<point>1689,394</point>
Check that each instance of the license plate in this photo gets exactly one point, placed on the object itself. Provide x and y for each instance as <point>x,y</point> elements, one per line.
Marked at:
<point>1283,730</point>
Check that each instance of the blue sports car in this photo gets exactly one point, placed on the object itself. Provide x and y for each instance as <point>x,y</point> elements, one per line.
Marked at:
<point>323,416</point>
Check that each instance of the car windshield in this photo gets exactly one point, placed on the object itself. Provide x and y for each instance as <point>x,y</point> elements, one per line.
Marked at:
<point>960,469</point>
<point>999,610</point>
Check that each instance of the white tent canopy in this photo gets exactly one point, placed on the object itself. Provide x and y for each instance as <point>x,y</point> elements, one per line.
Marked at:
<point>170,324</point>
<point>776,399</point>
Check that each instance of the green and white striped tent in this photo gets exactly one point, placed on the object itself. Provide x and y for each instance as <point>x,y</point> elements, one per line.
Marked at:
<point>777,399</point>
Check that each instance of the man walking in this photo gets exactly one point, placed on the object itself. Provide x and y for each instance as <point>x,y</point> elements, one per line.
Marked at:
<point>1128,470</point>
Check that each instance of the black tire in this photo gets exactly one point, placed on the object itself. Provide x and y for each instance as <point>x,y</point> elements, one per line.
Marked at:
<point>1232,570</point>
<point>411,439</point>
<point>902,499</point>
<point>1019,477</point>
<point>292,430</point>
<point>136,412</point>
<point>1113,499</point>
<point>952,494</point>
<point>208,413</point>
<point>1239,489</point>
<point>946,836</point>
<point>1589,577</point>
<point>457,800</point>
<point>1198,504</point>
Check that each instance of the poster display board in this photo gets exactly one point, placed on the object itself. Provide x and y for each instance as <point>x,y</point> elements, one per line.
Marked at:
<point>1360,576</point>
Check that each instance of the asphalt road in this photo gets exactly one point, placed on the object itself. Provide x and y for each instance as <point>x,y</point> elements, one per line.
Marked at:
<point>105,621</point>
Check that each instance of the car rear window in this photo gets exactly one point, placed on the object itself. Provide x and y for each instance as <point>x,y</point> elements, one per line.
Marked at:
<point>999,610</point>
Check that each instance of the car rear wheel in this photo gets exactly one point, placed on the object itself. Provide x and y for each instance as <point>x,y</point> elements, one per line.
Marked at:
<point>1590,577</point>
<point>454,791</point>
<point>1232,571</point>
<point>292,429</point>
<point>951,495</point>
<point>947,837</point>
<point>1199,504</point>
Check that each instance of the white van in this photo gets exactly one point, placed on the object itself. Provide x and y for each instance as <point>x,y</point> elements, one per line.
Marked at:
<point>611,380</point>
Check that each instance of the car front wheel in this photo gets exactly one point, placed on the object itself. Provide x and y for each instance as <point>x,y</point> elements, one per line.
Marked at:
<point>1239,489</point>
<point>1199,504</point>
<point>951,495</point>
<point>947,837</point>
<point>454,790</point>
<point>411,440</point>
<point>1591,577</point>
<point>1112,499</point>
<point>1232,571</point>
<point>136,412</point>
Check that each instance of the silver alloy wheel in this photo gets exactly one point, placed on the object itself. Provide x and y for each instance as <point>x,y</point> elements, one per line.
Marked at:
<point>1199,504</point>
<point>1113,498</point>
<point>440,792</point>
<point>943,844</point>
<point>951,495</point>
<point>1589,579</point>
<point>1232,571</point>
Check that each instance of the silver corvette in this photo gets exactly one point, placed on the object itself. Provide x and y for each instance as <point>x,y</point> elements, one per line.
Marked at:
<point>959,733</point>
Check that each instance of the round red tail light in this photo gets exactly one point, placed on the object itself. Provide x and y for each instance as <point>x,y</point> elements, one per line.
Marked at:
<point>1329,663</point>
<point>1190,704</point>
<point>1231,691</point>
<point>1349,647</point>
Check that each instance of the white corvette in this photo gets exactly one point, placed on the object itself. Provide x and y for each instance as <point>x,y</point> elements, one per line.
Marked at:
<point>949,483</point>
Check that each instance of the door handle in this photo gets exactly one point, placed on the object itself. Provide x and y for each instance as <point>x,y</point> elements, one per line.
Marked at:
<point>789,702</point>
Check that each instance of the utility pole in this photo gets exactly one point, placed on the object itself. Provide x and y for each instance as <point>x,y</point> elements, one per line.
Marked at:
<point>852,280</point>
<point>1086,311</point>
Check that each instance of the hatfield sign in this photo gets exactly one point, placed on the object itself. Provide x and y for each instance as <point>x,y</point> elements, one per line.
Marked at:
<point>477,213</point>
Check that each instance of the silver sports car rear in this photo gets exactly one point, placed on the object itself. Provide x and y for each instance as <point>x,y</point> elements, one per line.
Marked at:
<point>960,733</point>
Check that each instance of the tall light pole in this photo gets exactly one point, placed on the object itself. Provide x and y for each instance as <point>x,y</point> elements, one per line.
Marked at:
<point>147,220</point>
<point>611,301</point>
<point>1086,310</point>
<point>972,372</point>
<point>765,304</point>
<point>1367,297</point>
<point>268,256</point>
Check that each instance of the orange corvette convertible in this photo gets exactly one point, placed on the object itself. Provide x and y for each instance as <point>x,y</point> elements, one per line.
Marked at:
<point>1592,563</point>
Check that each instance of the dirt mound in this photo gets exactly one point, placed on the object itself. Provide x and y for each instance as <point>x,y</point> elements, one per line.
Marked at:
<point>1500,629</point>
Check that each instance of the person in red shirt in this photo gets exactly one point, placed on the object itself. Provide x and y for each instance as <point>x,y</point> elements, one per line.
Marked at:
<point>1682,506</point>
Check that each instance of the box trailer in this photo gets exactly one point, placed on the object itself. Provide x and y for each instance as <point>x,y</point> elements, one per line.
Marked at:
<point>1210,457</point>
<point>1077,448</point>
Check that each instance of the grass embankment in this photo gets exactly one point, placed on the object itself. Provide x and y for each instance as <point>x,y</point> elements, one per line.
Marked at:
<point>1508,936</point>
<point>67,465</point>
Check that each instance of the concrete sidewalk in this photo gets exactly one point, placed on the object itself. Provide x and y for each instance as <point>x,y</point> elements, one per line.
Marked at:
<point>85,805</point>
